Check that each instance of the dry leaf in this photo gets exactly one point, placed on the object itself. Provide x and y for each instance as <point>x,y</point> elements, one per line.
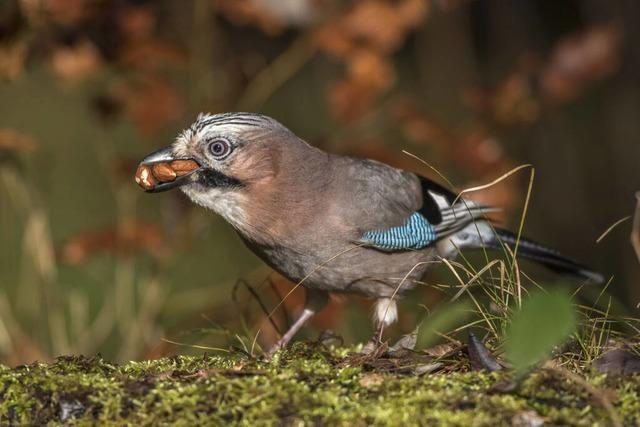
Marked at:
<point>248,12</point>
<point>137,22</point>
<point>133,237</point>
<point>13,57</point>
<point>618,362</point>
<point>12,140</point>
<point>443,350</point>
<point>76,62</point>
<point>153,103</point>
<point>66,12</point>
<point>480,357</point>
<point>579,60</point>
<point>369,68</point>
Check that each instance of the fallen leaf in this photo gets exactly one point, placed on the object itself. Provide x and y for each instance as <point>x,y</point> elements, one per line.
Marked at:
<point>480,357</point>
<point>618,362</point>
<point>428,368</point>
<point>443,350</point>
<point>407,342</point>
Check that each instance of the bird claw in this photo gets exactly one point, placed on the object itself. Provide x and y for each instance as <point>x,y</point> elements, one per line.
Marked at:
<point>373,346</point>
<point>275,348</point>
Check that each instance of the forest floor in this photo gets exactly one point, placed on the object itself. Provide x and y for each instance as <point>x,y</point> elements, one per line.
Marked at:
<point>309,384</point>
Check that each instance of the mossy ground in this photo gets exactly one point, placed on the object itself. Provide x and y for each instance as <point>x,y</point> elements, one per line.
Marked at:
<point>305,385</point>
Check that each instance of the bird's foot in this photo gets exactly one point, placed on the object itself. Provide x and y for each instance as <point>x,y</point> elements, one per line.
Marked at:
<point>275,348</point>
<point>373,346</point>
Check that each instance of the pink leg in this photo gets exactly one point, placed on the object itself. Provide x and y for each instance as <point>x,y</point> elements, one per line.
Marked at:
<point>315,301</point>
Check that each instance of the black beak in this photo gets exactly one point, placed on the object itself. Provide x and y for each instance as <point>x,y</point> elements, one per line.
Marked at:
<point>148,172</point>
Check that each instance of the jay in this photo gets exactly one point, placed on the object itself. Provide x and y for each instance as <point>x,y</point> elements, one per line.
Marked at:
<point>332,223</point>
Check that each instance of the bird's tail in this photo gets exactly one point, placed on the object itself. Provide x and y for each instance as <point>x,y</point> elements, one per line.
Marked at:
<point>541,254</point>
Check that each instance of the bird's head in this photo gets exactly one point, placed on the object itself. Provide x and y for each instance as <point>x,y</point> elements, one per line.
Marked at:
<point>219,161</point>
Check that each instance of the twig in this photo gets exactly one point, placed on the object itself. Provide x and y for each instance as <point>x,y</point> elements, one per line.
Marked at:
<point>492,183</point>
<point>611,227</point>
<point>199,347</point>
<point>316,268</point>
<point>255,295</point>
<point>274,75</point>
<point>635,231</point>
<point>285,313</point>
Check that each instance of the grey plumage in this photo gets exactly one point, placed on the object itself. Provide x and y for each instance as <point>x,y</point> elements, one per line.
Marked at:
<point>304,211</point>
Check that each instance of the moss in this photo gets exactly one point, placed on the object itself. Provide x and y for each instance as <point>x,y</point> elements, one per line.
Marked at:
<point>305,385</point>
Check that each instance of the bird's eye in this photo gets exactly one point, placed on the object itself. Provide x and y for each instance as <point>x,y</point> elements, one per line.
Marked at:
<point>220,148</point>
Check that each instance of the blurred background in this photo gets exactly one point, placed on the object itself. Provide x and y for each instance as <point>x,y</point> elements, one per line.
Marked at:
<point>89,263</point>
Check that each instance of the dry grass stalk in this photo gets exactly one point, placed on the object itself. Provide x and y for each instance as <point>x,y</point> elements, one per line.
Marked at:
<point>635,232</point>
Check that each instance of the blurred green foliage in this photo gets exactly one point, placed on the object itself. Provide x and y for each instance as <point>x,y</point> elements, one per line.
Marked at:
<point>543,323</point>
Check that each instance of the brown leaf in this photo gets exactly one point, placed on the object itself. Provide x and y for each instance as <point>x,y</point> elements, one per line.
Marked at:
<point>369,74</point>
<point>369,68</point>
<point>13,57</point>
<point>151,55</point>
<point>137,22</point>
<point>76,62</point>
<point>350,100</point>
<point>12,140</point>
<point>513,101</point>
<point>248,12</point>
<point>480,357</point>
<point>383,24</point>
<point>618,362</point>
<point>133,237</point>
<point>334,41</point>
<point>153,103</point>
<point>443,350</point>
<point>66,12</point>
<point>579,60</point>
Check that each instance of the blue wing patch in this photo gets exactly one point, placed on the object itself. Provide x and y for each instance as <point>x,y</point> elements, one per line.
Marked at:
<point>415,233</point>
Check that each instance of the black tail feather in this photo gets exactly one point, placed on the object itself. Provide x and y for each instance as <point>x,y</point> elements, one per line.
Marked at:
<point>543,255</point>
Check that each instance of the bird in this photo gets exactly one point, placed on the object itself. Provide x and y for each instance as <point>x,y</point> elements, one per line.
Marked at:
<point>332,223</point>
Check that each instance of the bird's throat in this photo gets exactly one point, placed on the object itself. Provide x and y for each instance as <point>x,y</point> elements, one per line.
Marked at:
<point>212,178</point>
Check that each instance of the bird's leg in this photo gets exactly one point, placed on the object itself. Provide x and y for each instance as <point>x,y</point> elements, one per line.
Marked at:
<point>384,314</point>
<point>315,301</point>
<point>375,340</point>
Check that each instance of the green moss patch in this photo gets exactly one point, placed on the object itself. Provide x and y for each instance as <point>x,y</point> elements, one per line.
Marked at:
<point>303,386</point>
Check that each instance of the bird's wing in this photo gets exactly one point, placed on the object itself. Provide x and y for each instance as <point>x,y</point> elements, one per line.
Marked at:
<point>438,215</point>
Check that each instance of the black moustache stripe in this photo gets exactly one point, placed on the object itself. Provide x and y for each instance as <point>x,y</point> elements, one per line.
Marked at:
<point>213,178</point>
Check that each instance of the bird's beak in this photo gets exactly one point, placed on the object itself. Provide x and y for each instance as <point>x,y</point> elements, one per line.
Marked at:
<point>162,171</point>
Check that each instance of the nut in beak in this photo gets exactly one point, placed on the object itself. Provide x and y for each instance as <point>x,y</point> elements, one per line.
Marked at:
<point>164,175</point>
